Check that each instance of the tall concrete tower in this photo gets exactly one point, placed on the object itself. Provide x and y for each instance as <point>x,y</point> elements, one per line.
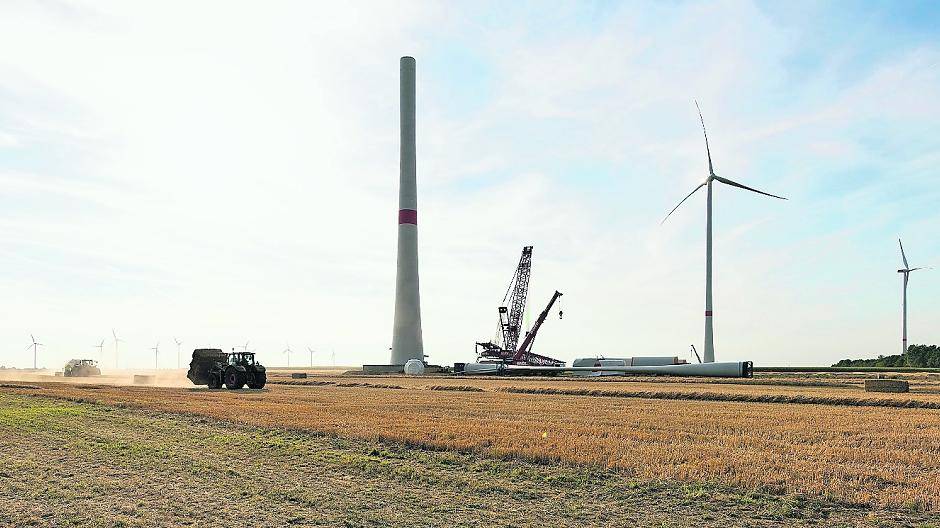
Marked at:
<point>406,336</point>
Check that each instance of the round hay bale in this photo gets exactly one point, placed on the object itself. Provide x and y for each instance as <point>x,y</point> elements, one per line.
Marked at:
<point>144,379</point>
<point>298,375</point>
<point>886,385</point>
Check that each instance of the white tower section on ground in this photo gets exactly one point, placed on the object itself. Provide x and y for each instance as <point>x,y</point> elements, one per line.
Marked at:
<point>406,336</point>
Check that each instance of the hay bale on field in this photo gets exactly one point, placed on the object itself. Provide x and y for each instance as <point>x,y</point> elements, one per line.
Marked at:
<point>144,379</point>
<point>298,375</point>
<point>886,385</point>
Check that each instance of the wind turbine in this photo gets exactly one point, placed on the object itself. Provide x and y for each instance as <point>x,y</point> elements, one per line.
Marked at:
<point>311,355</point>
<point>116,340</point>
<point>35,346</point>
<point>709,351</point>
<point>156,355</point>
<point>906,271</point>
<point>178,343</point>
<point>245,346</point>
<point>100,347</point>
<point>287,351</point>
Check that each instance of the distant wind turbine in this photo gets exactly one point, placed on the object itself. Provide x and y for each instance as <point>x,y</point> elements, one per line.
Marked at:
<point>709,351</point>
<point>245,346</point>
<point>311,355</point>
<point>116,341</point>
<point>35,346</point>
<point>906,272</point>
<point>156,356</point>
<point>178,343</point>
<point>100,347</point>
<point>287,351</point>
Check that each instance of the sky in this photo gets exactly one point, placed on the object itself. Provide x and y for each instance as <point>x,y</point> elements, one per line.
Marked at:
<point>226,172</point>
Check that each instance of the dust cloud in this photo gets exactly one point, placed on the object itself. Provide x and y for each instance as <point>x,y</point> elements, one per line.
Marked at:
<point>154,378</point>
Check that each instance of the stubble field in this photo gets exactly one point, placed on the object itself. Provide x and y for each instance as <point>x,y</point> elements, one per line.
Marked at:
<point>867,454</point>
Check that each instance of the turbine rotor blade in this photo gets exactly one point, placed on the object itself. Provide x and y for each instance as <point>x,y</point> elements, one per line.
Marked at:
<point>903,256</point>
<point>736,184</point>
<point>683,201</point>
<point>711,171</point>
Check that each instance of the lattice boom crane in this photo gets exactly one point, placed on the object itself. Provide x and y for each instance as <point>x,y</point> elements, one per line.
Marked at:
<point>510,322</point>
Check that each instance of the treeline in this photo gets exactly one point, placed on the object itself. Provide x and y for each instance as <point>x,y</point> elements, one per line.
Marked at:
<point>923,356</point>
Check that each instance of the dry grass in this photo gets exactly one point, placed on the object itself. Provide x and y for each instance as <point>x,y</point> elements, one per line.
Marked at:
<point>865,455</point>
<point>75,464</point>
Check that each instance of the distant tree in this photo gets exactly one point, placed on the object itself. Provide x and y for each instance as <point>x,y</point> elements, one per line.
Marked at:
<point>921,356</point>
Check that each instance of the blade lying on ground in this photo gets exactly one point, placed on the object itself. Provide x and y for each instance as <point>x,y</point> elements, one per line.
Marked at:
<point>736,184</point>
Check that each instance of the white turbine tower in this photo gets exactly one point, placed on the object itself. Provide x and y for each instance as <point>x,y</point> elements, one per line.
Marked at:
<point>178,343</point>
<point>311,355</point>
<point>116,341</point>
<point>287,351</point>
<point>906,272</point>
<point>35,346</point>
<point>709,352</point>
<point>156,356</point>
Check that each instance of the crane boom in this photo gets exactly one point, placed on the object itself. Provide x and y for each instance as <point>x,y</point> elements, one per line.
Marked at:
<point>510,318</point>
<point>524,355</point>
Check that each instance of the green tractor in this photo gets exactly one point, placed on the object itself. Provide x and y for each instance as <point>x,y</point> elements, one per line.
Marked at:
<point>212,367</point>
<point>79,368</point>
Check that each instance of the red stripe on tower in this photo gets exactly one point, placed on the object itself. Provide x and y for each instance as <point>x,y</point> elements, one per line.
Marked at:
<point>408,216</point>
<point>708,313</point>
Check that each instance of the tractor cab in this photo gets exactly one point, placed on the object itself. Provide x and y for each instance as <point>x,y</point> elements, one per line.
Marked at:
<point>241,358</point>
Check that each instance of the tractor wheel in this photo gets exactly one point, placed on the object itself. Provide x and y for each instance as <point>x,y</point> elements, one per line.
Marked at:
<point>215,380</point>
<point>234,379</point>
<point>256,380</point>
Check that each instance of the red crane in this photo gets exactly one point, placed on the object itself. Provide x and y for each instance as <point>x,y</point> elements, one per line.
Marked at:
<point>525,356</point>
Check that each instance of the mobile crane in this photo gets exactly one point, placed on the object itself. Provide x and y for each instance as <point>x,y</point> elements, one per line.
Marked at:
<point>504,349</point>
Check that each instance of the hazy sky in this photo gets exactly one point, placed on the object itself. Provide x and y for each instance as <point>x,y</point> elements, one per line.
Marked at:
<point>227,171</point>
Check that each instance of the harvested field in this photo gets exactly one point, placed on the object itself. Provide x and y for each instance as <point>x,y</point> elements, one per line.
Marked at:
<point>720,396</point>
<point>884,457</point>
<point>842,392</point>
<point>78,464</point>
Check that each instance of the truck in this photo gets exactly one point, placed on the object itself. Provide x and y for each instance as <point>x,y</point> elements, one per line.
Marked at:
<point>81,368</point>
<point>212,367</point>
